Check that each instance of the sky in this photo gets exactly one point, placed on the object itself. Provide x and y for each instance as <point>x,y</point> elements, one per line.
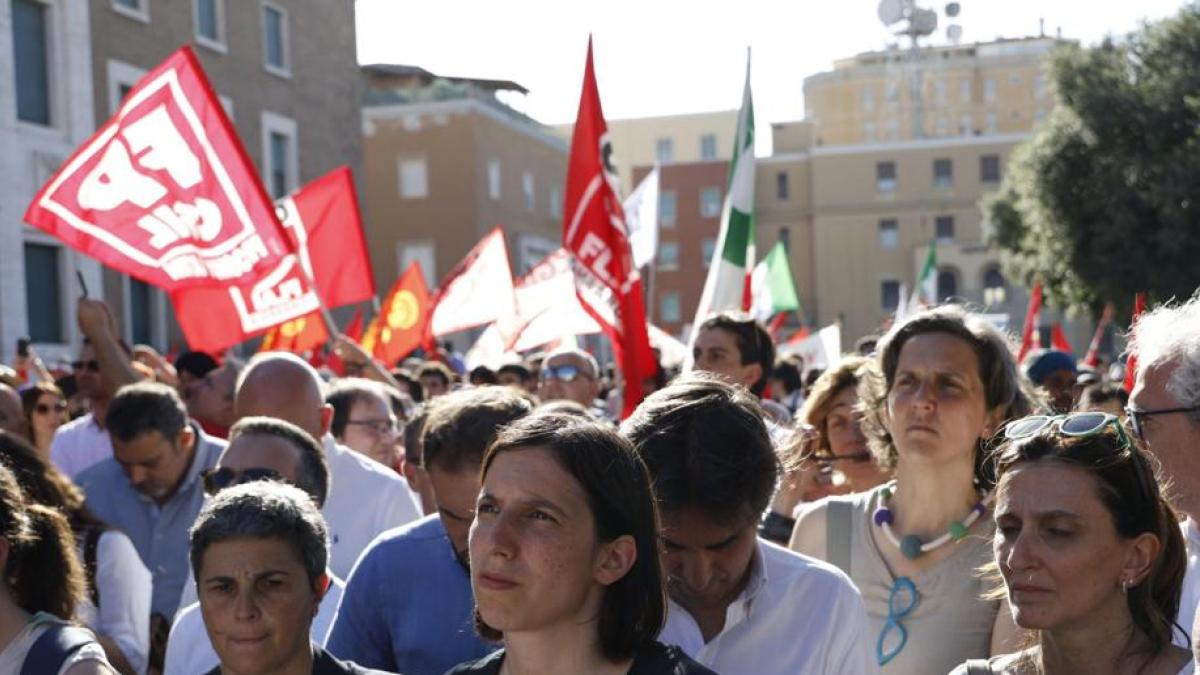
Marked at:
<point>666,57</point>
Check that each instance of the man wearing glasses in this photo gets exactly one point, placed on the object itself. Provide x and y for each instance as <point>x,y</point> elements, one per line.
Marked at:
<point>1164,411</point>
<point>570,374</point>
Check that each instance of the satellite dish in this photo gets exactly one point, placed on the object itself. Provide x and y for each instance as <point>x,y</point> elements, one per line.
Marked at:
<point>923,22</point>
<point>952,9</point>
<point>954,32</point>
<point>890,11</point>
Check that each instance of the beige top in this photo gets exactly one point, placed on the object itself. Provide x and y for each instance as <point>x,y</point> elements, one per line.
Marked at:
<point>950,622</point>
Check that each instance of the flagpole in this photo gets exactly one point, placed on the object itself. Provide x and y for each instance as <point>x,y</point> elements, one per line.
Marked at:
<point>650,293</point>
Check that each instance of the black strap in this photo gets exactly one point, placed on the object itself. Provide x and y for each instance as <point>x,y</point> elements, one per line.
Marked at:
<point>52,648</point>
<point>91,541</point>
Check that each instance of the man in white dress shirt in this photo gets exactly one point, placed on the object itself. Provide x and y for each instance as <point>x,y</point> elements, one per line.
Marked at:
<point>365,498</point>
<point>738,604</point>
<point>1164,411</point>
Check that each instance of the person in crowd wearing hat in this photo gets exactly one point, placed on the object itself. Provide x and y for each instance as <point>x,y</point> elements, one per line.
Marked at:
<point>1054,372</point>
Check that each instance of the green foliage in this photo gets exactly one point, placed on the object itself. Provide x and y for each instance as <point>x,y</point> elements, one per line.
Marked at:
<point>1104,200</point>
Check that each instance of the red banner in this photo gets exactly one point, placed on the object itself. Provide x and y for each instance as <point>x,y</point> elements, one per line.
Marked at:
<point>164,191</point>
<point>1029,335</point>
<point>1139,306</point>
<point>399,327</point>
<point>299,336</point>
<point>1093,353</point>
<point>606,281</point>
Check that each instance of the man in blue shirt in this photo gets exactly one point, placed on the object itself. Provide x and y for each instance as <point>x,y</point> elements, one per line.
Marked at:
<point>407,606</point>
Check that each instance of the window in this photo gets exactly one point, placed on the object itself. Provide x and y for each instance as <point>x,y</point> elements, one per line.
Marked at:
<point>868,98</point>
<point>664,150</point>
<point>210,23</point>
<point>275,40</point>
<point>989,90</point>
<point>994,292</point>
<point>414,178</point>
<point>43,301</point>
<point>989,168</point>
<point>889,233</point>
<point>134,9</point>
<point>991,123</point>
<point>947,285</point>
<point>668,304</point>
<point>939,92</point>
<point>944,226</point>
<point>889,292</point>
<point>121,79</point>
<point>893,90</point>
<point>710,202</point>
<point>964,91</point>
<point>281,166</point>
<point>667,208</point>
<point>527,190</point>
<point>493,176</point>
<point>668,255</point>
<point>555,203</point>
<point>708,246</point>
<point>30,52</point>
<point>942,126</point>
<point>869,130</point>
<point>964,125</point>
<point>885,176</point>
<point>782,189</point>
<point>418,251</point>
<point>943,173</point>
<point>141,309</point>
<point>708,146</point>
<point>1039,85</point>
<point>893,129</point>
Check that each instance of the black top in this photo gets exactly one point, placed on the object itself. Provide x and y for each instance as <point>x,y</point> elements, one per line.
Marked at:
<point>655,659</point>
<point>325,664</point>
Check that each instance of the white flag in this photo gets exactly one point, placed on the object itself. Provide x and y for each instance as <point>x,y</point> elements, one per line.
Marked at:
<point>641,218</point>
<point>478,291</point>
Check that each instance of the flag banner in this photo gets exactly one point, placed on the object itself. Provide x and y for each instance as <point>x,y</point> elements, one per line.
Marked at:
<point>548,307</point>
<point>925,292</point>
<point>329,263</point>
<point>641,219</point>
<point>298,336</point>
<point>1029,337</point>
<point>772,287</point>
<point>1058,339</point>
<point>1139,306</point>
<point>1092,358</point>
<point>820,351</point>
<point>164,191</point>
<point>399,327</point>
<point>606,281</point>
<point>727,286</point>
<point>478,291</point>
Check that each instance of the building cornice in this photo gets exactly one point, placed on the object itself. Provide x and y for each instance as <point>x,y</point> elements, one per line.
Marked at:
<point>921,144</point>
<point>397,111</point>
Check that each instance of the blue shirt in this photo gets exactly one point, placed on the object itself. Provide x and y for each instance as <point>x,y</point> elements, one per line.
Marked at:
<point>159,533</point>
<point>407,607</point>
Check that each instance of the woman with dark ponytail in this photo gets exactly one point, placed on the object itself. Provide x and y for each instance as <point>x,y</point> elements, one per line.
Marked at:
<point>41,581</point>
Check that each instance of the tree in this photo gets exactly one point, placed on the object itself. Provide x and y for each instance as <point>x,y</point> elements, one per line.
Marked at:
<point>1104,200</point>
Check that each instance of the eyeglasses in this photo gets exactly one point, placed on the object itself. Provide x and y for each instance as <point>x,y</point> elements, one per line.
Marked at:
<point>1137,418</point>
<point>856,458</point>
<point>43,408</point>
<point>216,480</point>
<point>901,602</point>
<point>1074,425</point>
<point>92,365</point>
<point>565,373</point>
<point>379,427</point>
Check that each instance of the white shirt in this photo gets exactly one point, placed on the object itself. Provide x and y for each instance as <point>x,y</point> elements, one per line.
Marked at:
<point>796,615</point>
<point>79,444</point>
<point>365,499</point>
<point>189,651</point>
<point>124,585</point>
<point>1191,582</point>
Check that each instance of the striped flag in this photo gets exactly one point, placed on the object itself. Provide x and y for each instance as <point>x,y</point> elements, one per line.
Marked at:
<point>772,287</point>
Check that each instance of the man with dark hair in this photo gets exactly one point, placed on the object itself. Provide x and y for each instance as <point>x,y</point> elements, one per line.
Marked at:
<point>414,473</point>
<point>191,367</point>
<point>516,375</point>
<point>408,606</point>
<point>435,378</point>
<point>210,398</point>
<point>739,604</point>
<point>736,347</point>
<point>12,416</point>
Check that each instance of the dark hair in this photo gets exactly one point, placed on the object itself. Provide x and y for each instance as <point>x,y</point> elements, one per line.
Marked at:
<point>481,375</point>
<point>1099,393</point>
<point>29,401</point>
<point>314,472</point>
<point>144,407</point>
<point>436,369</point>
<point>42,572</point>
<point>787,373</point>
<point>565,406</point>
<point>753,341</point>
<point>197,364</point>
<point>413,431</point>
<point>1127,484</point>
<point>518,369</point>
<point>42,482</point>
<point>343,394</point>
<point>617,487</point>
<point>412,387</point>
<point>706,445</point>
<point>461,425</point>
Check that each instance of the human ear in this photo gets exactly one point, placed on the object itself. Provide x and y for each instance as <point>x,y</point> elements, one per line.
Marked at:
<point>615,559</point>
<point>1140,555</point>
<point>187,437</point>
<point>991,422</point>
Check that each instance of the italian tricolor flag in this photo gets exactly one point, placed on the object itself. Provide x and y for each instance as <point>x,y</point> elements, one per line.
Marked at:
<point>925,293</point>
<point>772,287</point>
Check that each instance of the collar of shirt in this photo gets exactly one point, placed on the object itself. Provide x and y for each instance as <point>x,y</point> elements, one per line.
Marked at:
<point>739,610</point>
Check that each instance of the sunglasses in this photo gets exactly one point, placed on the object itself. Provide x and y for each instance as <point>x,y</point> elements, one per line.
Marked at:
<point>44,408</point>
<point>565,373</point>
<point>92,365</point>
<point>216,480</point>
<point>1075,425</point>
<point>901,602</point>
<point>1138,418</point>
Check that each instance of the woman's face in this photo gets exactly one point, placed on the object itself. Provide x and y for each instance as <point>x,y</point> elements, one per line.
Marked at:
<point>48,414</point>
<point>535,561</point>
<point>847,442</point>
<point>1058,549</point>
<point>936,407</point>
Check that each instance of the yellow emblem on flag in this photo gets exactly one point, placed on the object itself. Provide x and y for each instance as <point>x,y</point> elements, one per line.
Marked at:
<point>403,313</point>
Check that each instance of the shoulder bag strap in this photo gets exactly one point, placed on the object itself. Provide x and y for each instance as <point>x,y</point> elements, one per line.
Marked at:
<point>837,533</point>
<point>52,649</point>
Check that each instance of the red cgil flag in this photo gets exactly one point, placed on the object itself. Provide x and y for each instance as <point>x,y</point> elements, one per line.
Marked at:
<point>594,231</point>
<point>1058,339</point>
<point>1093,353</point>
<point>298,336</point>
<point>1029,334</point>
<point>1139,306</point>
<point>399,326</point>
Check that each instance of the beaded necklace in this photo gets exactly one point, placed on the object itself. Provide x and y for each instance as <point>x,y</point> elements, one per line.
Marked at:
<point>910,544</point>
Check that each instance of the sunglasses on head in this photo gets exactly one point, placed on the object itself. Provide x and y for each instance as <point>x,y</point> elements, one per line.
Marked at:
<point>1075,425</point>
<point>43,408</point>
<point>564,373</point>
<point>92,365</point>
<point>216,480</point>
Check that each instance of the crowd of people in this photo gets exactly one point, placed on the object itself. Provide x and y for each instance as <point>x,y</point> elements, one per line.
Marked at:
<point>926,505</point>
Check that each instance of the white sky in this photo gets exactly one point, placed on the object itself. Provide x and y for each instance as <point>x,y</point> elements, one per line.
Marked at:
<point>663,57</point>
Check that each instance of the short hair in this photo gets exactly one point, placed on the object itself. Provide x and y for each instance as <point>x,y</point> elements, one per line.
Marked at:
<point>343,394</point>
<point>787,373</point>
<point>482,375</point>
<point>518,369</point>
<point>1100,393</point>
<point>314,471</point>
<point>196,364</point>
<point>707,447</point>
<point>1170,333</point>
<point>413,431</point>
<point>145,407</point>
<point>565,406</point>
<point>617,487</point>
<point>830,385</point>
<point>753,341</point>
<point>461,425</point>
<point>263,510</point>
<point>436,369</point>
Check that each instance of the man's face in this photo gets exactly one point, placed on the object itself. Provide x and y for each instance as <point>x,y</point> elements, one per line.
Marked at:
<point>570,377</point>
<point>1173,437</point>
<point>1060,385</point>
<point>371,430</point>
<point>707,562</point>
<point>433,385</point>
<point>455,493</point>
<point>257,603</point>
<point>155,464</point>
<point>260,451</point>
<point>87,377</point>
<point>211,398</point>
<point>508,378</point>
<point>716,351</point>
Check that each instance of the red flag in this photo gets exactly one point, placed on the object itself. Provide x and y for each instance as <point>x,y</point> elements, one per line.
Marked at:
<point>1058,339</point>
<point>606,279</point>
<point>1029,334</point>
<point>322,225</point>
<point>353,331</point>
<point>400,325</point>
<point>299,336</point>
<point>1093,353</point>
<point>776,325</point>
<point>1139,306</point>
<point>164,191</point>
<point>478,291</point>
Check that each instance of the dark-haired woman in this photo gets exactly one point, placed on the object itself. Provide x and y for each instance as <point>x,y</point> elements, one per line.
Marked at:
<point>45,411</point>
<point>40,586</point>
<point>1089,551</point>
<point>564,555</point>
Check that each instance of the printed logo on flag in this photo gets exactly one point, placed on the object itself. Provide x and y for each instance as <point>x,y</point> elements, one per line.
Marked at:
<point>287,291</point>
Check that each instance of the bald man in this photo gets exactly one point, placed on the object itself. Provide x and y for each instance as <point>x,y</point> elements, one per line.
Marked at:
<point>365,498</point>
<point>12,416</point>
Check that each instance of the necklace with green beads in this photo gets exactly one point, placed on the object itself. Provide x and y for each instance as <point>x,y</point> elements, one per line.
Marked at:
<point>910,544</point>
